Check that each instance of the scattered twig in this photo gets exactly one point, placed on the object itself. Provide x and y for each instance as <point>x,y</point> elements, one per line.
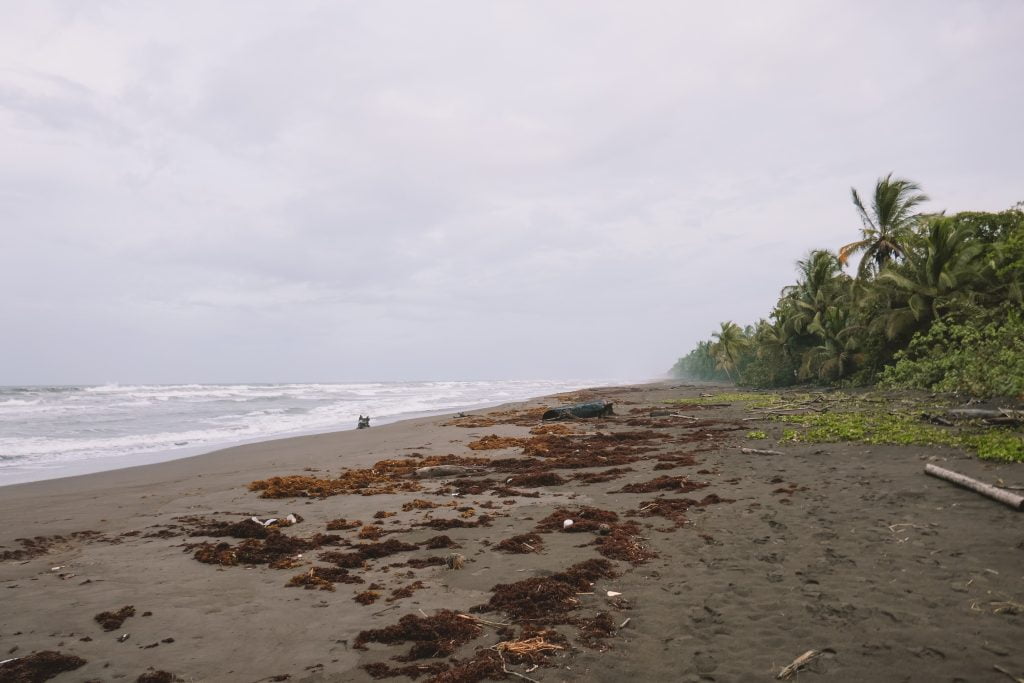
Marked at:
<point>470,617</point>
<point>505,668</point>
<point>625,623</point>
<point>1004,671</point>
<point>799,663</point>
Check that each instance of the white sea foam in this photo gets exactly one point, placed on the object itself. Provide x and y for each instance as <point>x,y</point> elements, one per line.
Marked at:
<point>49,429</point>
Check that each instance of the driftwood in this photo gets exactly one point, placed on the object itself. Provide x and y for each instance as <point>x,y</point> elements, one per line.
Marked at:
<point>758,451</point>
<point>799,663</point>
<point>997,416</point>
<point>443,471</point>
<point>994,492</point>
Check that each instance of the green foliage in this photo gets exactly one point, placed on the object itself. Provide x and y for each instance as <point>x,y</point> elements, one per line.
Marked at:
<point>756,434</point>
<point>928,309</point>
<point>975,357</point>
<point>902,429</point>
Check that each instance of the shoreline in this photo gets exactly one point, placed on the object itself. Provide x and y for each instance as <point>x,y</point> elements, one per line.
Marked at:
<point>15,475</point>
<point>845,547</point>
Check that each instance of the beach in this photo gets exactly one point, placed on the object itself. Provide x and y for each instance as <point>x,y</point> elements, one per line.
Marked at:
<point>687,559</point>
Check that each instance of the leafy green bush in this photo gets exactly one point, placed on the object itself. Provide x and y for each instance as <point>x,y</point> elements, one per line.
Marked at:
<point>977,358</point>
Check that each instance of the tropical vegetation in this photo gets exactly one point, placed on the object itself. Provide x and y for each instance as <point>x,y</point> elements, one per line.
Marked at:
<point>934,303</point>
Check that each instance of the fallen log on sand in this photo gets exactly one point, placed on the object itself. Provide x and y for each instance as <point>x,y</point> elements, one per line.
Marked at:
<point>758,451</point>
<point>443,471</point>
<point>993,492</point>
<point>996,416</point>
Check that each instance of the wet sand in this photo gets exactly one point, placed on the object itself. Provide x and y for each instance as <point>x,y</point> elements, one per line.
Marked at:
<point>844,548</point>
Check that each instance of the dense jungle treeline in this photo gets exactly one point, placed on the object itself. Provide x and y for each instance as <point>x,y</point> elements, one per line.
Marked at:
<point>935,304</point>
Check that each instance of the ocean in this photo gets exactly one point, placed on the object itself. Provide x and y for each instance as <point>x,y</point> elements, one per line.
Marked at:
<point>56,431</point>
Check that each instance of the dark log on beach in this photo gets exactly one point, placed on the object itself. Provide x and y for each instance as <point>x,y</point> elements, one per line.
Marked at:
<point>443,471</point>
<point>758,451</point>
<point>994,492</point>
<point>583,410</point>
<point>1002,414</point>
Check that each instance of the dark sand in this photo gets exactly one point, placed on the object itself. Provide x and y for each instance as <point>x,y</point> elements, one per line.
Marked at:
<point>839,546</point>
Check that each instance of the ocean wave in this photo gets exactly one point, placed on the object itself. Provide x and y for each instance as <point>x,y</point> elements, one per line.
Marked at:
<point>92,423</point>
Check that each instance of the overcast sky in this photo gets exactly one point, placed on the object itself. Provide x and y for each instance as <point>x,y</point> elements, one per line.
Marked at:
<point>305,191</point>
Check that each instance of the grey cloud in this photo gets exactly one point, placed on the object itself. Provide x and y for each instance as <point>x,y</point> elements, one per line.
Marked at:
<point>254,191</point>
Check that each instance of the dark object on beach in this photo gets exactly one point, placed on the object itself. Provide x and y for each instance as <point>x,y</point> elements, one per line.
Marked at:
<point>155,677</point>
<point>545,599</point>
<point>663,483</point>
<point>364,422</point>
<point>580,410</point>
<point>323,578</point>
<point>38,667</point>
<point>434,636</point>
<point>439,542</point>
<point>994,492</point>
<point>111,621</point>
<point>523,543</point>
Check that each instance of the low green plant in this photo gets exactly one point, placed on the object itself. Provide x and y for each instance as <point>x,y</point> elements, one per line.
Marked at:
<point>901,429</point>
<point>757,434</point>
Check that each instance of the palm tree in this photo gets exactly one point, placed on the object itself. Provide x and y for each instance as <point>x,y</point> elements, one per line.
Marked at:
<point>816,288</point>
<point>886,226</point>
<point>729,347</point>
<point>939,276</point>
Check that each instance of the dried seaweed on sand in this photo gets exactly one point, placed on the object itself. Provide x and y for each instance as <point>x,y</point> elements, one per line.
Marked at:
<point>585,518</point>
<point>343,524</point>
<point>323,578</point>
<point>38,667</point>
<point>623,543</point>
<point>594,630</point>
<point>366,597</point>
<point>405,591</point>
<point>111,621</point>
<point>663,483</point>
<point>547,598</point>
<point>438,542</point>
<point>277,550</point>
<point>431,636</point>
<point>386,476</point>
<point>493,442</point>
<point>523,543</point>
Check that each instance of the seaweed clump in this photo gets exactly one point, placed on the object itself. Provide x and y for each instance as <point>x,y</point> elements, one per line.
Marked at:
<point>622,543</point>
<point>674,509</point>
<point>592,631</point>
<point>494,442</point>
<point>323,578</point>
<point>547,598</point>
<point>434,636</point>
<point>386,476</point>
<point>278,550</point>
<point>155,677</point>
<point>663,483</point>
<point>343,524</point>
<point>405,591</point>
<point>534,479</point>
<point>366,597</point>
<point>111,621</point>
<point>38,667</point>
<point>438,542</point>
<point>584,518</point>
<point>523,543</point>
